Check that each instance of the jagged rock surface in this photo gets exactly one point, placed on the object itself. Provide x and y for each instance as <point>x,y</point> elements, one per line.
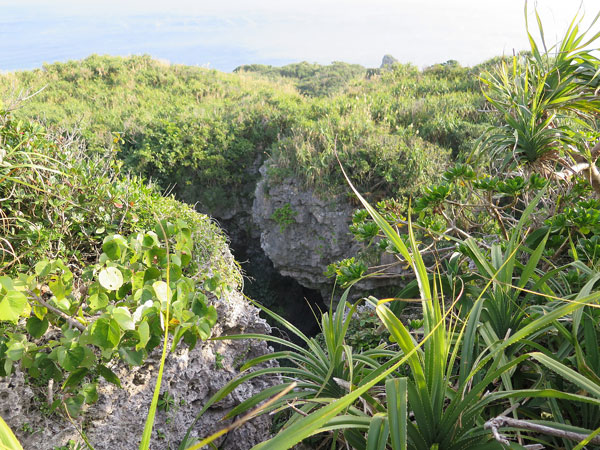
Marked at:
<point>117,420</point>
<point>317,237</point>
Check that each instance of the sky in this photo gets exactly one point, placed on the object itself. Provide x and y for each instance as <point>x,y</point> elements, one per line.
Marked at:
<point>225,34</point>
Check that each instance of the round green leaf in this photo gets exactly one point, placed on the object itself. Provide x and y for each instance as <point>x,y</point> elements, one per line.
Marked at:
<point>105,333</point>
<point>168,228</point>
<point>161,289</point>
<point>74,405</point>
<point>70,358</point>
<point>150,239</point>
<point>36,327</point>
<point>186,258</point>
<point>110,278</point>
<point>15,351</point>
<point>112,249</point>
<point>176,259</point>
<point>123,318</point>
<point>203,329</point>
<point>43,268</point>
<point>98,301</point>
<point>131,356</point>
<point>124,290</point>
<point>211,315</point>
<point>211,284</point>
<point>144,335</point>
<point>152,273</point>
<point>75,377</point>
<point>7,283</point>
<point>174,272</point>
<point>90,393</point>
<point>48,369</point>
<point>109,375</point>
<point>12,306</point>
<point>89,360</point>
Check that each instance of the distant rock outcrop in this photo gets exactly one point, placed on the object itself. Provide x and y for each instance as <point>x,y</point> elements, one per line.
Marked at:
<point>388,61</point>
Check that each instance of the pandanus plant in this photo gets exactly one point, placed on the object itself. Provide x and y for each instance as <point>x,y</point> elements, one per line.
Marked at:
<point>542,98</point>
<point>454,385</point>
<point>459,389</point>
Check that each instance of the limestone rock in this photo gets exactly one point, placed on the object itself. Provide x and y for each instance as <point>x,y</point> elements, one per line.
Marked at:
<point>117,420</point>
<point>388,61</point>
<point>317,236</point>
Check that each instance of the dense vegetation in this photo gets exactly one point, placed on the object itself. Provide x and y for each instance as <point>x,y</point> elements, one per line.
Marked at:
<point>88,256</point>
<point>314,80</point>
<point>504,258</point>
<point>208,132</point>
<point>501,246</point>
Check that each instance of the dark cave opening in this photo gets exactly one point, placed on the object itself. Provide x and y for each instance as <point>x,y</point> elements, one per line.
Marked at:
<point>301,306</point>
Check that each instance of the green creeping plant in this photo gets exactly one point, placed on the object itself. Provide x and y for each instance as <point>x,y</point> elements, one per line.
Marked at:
<point>284,216</point>
<point>115,309</point>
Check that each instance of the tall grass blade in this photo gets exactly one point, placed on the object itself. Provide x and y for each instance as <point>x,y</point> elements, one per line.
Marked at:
<point>379,431</point>
<point>146,435</point>
<point>396,393</point>
<point>568,373</point>
<point>8,441</point>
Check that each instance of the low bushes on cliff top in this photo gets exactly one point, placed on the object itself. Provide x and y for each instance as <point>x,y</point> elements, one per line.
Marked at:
<point>208,131</point>
<point>58,201</point>
<point>313,80</point>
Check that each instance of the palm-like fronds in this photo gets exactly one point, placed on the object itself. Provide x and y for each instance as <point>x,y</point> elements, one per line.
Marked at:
<point>448,390</point>
<point>539,96</point>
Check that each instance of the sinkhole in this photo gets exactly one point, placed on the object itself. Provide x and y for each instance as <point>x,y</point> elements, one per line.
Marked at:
<point>283,295</point>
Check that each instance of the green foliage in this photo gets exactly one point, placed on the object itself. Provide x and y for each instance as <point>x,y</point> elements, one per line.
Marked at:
<point>452,368</point>
<point>311,79</point>
<point>506,273</point>
<point>284,216</point>
<point>547,101</point>
<point>210,132</point>
<point>365,333</point>
<point>120,317</point>
<point>502,259</point>
<point>347,271</point>
<point>327,367</point>
<point>166,401</point>
<point>71,302</point>
<point>219,361</point>
<point>59,201</point>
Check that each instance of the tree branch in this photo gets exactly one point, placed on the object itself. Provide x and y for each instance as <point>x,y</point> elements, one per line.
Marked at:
<point>58,312</point>
<point>503,421</point>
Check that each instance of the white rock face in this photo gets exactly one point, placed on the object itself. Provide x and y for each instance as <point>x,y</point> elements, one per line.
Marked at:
<point>117,420</point>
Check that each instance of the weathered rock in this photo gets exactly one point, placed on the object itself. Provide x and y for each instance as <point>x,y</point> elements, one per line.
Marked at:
<point>317,236</point>
<point>117,420</point>
<point>388,61</point>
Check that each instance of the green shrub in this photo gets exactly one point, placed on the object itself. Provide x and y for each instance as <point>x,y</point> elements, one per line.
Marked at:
<point>210,132</point>
<point>284,216</point>
<point>78,261</point>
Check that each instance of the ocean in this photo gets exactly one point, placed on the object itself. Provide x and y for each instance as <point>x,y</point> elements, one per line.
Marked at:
<point>225,34</point>
<point>29,38</point>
